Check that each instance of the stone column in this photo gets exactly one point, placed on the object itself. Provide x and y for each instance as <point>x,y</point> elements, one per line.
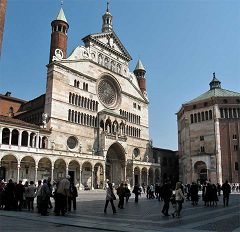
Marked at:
<point>80,178</point>
<point>18,171</point>
<point>40,142</point>
<point>37,140</point>
<point>36,169</point>
<point>66,170</point>
<point>92,178</point>
<point>140,178</point>
<point>125,171</point>
<point>10,137</point>
<point>147,176</point>
<point>1,129</point>
<point>28,143</point>
<point>20,139</point>
<point>133,178</point>
<point>104,175</point>
<point>52,173</point>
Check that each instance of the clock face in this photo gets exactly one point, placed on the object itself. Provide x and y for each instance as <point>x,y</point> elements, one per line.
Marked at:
<point>59,53</point>
<point>108,92</point>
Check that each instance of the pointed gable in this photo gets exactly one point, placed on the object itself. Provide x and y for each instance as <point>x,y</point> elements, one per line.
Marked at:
<point>109,41</point>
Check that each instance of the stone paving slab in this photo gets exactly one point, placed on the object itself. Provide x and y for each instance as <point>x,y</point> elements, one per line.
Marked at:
<point>144,216</point>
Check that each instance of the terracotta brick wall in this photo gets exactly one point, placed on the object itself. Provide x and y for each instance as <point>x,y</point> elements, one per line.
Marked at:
<point>3,5</point>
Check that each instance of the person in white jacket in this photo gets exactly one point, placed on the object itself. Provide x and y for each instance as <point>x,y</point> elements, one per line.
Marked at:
<point>179,199</point>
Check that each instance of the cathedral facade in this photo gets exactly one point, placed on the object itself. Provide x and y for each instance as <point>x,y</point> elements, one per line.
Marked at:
<point>91,123</point>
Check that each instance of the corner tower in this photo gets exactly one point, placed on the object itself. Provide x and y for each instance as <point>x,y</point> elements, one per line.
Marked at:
<point>59,36</point>
<point>140,74</point>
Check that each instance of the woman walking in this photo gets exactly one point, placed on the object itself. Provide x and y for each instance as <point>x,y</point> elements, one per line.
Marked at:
<point>110,197</point>
<point>179,199</point>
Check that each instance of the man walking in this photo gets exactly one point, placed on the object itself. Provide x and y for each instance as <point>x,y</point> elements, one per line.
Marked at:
<point>226,188</point>
<point>166,195</point>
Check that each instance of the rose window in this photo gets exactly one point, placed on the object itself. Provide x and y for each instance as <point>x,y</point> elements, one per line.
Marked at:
<point>108,93</point>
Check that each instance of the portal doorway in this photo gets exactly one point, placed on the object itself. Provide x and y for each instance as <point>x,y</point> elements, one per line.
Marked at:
<point>115,164</point>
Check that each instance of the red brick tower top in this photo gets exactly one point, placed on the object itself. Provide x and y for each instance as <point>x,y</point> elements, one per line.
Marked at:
<point>140,74</point>
<point>58,45</point>
<point>3,5</point>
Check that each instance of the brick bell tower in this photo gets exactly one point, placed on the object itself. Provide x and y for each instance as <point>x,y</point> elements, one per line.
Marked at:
<point>59,36</point>
<point>140,74</point>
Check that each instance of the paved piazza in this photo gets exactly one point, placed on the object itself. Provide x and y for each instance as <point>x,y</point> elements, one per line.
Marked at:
<point>144,216</point>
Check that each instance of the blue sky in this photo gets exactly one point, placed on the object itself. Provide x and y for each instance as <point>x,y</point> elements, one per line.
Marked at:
<point>180,42</point>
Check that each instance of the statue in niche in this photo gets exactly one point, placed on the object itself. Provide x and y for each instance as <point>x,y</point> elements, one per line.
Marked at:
<point>100,59</point>
<point>106,62</point>
<point>44,119</point>
<point>108,128</point>
<point>115,128</point>
<point>119,68</point>
<point>147,158</point>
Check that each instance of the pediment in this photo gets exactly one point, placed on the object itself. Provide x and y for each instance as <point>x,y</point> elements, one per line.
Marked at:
<point>109,41</point>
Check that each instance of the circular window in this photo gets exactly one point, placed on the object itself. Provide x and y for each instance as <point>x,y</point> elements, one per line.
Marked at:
<point>108,92</point>
<point>136,152</point>
<point>72,142</point>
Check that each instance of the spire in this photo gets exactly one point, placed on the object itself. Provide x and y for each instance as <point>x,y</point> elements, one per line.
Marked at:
<point>139,66</point>
<point>215,83</point>
<point>140,74</point>
<point>107,20</point>
<point>61,16</point>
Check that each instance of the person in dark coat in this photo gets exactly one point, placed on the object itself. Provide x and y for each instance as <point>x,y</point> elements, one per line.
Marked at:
<point>10,195</point>
<point>194,193</point>
<point>148,192</point>
<point>226,188</point>
<point>72,197</point>
<point>44,198</point>
<point>166,195</point>
<point>19,190</point>
<point>50,188</point>
<point>219,189</point>
<point>127,193</point>
<point>137,192</point>
<point>121,195</point>
<point>214,194</point>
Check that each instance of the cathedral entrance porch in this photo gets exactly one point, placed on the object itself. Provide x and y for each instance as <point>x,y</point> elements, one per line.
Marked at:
<point>115,164</point>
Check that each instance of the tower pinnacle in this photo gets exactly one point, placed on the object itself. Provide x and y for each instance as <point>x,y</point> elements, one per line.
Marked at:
<point>107,20</point>
<point>215,83</point>
<point>140,74</point>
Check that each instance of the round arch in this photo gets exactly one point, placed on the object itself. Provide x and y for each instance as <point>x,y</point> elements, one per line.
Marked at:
<point>44,168</point>
<point>27,168</point>
<point>74,171</point>
<point>137,176</point>
<point>115,164</point>
<point>86,180</point>
<point>59,169</point>
<point>144,176</point>
<point>200,171</point>
<point>9,164</point>
<point>98,177</point>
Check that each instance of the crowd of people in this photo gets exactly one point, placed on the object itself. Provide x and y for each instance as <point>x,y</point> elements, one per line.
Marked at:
<point>176,195</point>
<point>19,196</point>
